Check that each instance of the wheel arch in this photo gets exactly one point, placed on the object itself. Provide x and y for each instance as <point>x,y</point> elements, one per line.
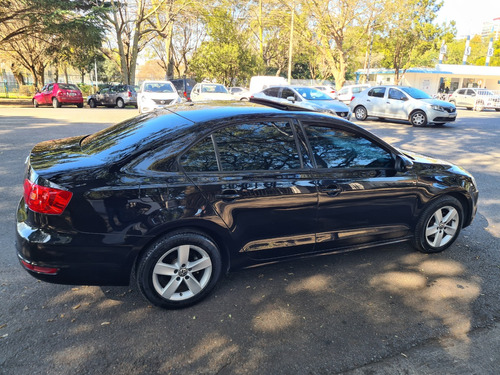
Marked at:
<point>461,197</point>
<point>210,230</point>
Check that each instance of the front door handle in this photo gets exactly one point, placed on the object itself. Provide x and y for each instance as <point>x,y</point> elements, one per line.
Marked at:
<point>228,195</point>
<point>332,190</point>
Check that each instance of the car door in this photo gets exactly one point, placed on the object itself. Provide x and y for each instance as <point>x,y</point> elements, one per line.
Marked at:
<point>375,102</point>
<point>470,98</point>
<point>47,94</point>
<point>396,104</point>
<point>253,176</point>
<point>362,198</point>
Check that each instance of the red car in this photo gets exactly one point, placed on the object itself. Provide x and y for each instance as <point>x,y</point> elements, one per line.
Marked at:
<point>57,94</point>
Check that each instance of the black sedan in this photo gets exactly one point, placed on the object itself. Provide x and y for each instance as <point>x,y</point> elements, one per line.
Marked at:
<point>177,198</point>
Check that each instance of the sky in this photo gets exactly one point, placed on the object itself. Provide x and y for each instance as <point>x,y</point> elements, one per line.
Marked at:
<point>468,14</point>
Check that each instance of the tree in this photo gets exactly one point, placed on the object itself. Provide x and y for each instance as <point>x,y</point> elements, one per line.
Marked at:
<point>409,33</point>
<point>225,57</point>
<point>341,26</point>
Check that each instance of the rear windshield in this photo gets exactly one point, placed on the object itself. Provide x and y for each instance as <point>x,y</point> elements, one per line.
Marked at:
<point>68,86</point>
<point>312,94</point>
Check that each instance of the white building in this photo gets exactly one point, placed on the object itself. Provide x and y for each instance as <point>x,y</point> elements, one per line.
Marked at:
<point>433,80</point>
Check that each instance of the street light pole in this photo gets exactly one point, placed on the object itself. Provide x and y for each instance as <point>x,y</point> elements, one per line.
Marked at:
<point>290,48</point>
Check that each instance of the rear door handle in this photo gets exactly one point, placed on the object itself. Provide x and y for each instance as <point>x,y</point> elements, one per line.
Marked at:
<point>332,190</point>
<point>228,195</point>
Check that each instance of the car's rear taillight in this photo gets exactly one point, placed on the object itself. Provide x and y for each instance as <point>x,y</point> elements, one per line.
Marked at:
<point>129,94</point>
<point>39,269</point>
<point>185,94</point>
<point>45,200</point>
<point>352,98</point>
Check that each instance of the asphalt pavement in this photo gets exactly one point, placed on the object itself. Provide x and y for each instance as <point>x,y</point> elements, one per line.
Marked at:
<point>386,310</point>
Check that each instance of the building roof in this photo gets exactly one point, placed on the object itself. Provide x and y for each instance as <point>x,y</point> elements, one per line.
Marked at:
<point>472,70</point>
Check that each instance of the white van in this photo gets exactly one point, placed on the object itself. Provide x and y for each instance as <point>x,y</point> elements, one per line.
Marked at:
<point>259,83</point>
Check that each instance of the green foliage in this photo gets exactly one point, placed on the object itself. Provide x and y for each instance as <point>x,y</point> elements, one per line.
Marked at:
<point>225,57</point>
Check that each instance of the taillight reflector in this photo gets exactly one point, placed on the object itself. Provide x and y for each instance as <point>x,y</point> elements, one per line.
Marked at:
<point>39,269</point>
<point>129,94</point>
<point>44,199</point>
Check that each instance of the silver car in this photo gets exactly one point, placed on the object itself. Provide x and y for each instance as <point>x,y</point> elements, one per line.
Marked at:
<point>403,103</point>
<point>306,97</point>
<point>114,96</point>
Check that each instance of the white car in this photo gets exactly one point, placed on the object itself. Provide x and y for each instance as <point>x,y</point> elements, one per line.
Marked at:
<point>210,91</point>
<point>474,98</point>
<point>156,94</point>
<point>403,103</point>
<point>239,93</point>
<point>346,93</point>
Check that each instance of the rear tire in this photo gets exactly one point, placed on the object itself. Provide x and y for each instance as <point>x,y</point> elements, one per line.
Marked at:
<point>179,269</point>
<point>92,103</point>
<point>439,225</point>
<point>80,105</point>
<point>35,103</point>
<point>56,103</point>
<point>120,103</point>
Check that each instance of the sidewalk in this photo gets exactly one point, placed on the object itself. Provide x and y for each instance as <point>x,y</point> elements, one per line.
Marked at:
<point>8,102</point>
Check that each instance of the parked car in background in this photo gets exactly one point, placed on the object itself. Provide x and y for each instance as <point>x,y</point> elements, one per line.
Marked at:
<point>474,98</point>
<point>156,94</point>
<point>57,94</point>
<point>306,97</point>
<point>240,93</point>
<point>328,90</point>
<point>403,103</point>
<point>184,87</point>
<point>210,91</point>
<point>347,93</point>
<point>114,96</point>
<point>175,200</point>
<point>259,83</point>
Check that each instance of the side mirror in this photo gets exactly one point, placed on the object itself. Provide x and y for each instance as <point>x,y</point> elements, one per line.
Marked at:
<point>403,163</point>
<point>291,99</point>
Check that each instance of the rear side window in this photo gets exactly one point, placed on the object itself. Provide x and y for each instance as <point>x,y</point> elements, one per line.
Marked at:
<point>377,92</point>
<point>261,146</point>
<point>335,148</point>
<point>273,91</point>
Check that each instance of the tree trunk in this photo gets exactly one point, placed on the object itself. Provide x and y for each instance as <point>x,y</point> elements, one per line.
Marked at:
<point>18,75</point>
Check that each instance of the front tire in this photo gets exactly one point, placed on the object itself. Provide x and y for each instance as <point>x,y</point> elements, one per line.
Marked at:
<point>418,118</point>
<point>179,269</point>
<point>439,225</point>
<point>360,113</point>
<point>92,103</point>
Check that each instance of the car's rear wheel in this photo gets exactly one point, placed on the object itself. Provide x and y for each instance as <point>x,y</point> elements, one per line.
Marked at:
<point>179,269</point>
<point>120,103</point>
<point>469,108</point>
<point>360,113</point>
<point>418,118</point>
<point>35,103</point>
<point>80,105</point>
<point>92,103</point>
<point>439,225</point>
<point>56,103</point>
<point>497,109</point>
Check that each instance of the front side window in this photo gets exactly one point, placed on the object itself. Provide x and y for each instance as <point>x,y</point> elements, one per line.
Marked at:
<point>261,146</point>
<point>377,92</point>
<point>396,94</point>
<point>335,148</point>
<point>286,93</point>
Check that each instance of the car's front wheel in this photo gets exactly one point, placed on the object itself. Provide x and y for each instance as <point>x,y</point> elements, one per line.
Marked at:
<point>360,113</point>
<point>179,269</point>
<point>92,103</point>
<point>439,225</point>
<point>418,118</point>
